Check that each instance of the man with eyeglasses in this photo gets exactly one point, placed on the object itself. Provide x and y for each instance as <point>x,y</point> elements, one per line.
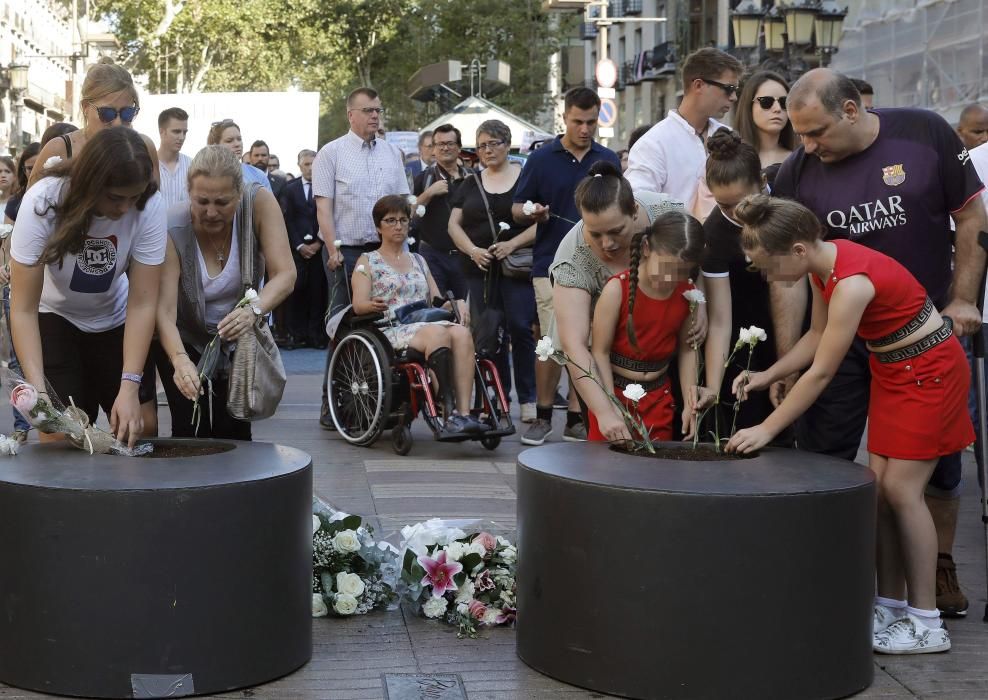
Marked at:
<point>434,188</point>
<point>349,175</point>
<point>672,155</point>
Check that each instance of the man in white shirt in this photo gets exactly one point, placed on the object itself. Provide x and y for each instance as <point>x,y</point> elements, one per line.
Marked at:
<point>173,165</point>
<point>349,175</point>
<point>671,157</point>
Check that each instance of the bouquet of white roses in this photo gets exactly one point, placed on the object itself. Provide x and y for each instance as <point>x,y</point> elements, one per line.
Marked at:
<point>351,573</point>
<point>465,580</point>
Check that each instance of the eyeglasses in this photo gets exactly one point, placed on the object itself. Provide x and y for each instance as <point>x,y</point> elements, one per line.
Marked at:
<point>767,102</point>
<point>392,221</point>
<point>729,89</point>
<point>370,110</point>
<point>108,114</point>
<point>445,144</point>
<point>490,145</point>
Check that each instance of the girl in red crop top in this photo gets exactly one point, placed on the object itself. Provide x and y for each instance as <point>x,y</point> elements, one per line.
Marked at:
<point>918,401</point>
<point>640,325</point>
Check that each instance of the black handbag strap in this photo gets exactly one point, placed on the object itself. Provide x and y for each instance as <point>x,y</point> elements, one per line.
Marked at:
<point>246,235</point>
<point>489,282</point>
<point>425,275</point>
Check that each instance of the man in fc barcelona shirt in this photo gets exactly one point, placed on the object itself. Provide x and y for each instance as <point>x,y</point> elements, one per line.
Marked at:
<point>890,179</point>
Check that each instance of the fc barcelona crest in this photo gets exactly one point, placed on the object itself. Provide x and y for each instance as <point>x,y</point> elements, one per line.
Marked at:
<point>894,174</point>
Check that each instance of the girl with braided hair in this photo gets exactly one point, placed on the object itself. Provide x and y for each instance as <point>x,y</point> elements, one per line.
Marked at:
<point>642,321</point>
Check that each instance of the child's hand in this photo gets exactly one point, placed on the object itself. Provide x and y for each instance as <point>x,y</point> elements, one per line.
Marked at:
<point>691,423</point>
<point>746,382</point>
<point>701,398</point>
<point>749,440</point>
<point>612,427</point>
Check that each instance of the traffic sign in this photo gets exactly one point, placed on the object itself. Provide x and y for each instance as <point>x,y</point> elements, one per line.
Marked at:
<point>602,92</point>
<point>606,73</point>
<point>608,113</point>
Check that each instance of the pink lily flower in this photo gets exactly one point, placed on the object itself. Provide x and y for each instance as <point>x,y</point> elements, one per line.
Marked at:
<point>439,573</point>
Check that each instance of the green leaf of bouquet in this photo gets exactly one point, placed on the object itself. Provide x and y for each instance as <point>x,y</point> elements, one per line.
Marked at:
<point>408,561</point>
<point>470,561</point>
<point>352,522</point>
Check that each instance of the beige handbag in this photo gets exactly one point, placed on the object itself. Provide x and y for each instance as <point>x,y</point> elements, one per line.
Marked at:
<point>257,375</point>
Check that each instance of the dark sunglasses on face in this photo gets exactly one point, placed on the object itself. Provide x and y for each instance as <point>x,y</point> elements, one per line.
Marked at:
<point>108,114</point>
<point>729,89</point>
<point>767,102</point>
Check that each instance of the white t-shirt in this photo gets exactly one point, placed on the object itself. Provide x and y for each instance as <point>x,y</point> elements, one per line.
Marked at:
<point>90,289</point>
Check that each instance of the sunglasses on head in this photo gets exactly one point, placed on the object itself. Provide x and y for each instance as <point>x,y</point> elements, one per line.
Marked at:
<point>767,102</point>
<point>108,114</point>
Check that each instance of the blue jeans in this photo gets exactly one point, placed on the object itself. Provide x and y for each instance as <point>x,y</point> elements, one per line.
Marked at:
<point>20,423</point>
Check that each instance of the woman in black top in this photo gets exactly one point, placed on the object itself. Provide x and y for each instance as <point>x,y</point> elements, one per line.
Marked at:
<point>733,172</point>
<point>482,227</point>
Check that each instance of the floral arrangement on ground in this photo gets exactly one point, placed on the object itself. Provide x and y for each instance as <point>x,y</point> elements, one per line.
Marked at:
<point>463,579</point>
<point>352,573</point>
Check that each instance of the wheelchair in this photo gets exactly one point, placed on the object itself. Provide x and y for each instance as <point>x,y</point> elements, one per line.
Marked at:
<point>373,388</point>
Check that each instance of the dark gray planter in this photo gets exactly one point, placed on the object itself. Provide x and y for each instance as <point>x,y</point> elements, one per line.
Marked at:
<point>154,577</point>
<point>665,579</point>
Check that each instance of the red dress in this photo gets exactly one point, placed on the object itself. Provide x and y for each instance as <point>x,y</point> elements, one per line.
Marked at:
<point>657,325</point>
<point>918,406</point>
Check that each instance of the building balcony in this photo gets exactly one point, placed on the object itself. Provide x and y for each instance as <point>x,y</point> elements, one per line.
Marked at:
<point>629,73</point>
<point>660,62</point>
<point>615,8</point>
<point>45,101</point>
<point>632,7</point>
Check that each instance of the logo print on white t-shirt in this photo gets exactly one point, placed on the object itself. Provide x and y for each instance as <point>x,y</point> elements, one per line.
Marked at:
<point>95,266</point>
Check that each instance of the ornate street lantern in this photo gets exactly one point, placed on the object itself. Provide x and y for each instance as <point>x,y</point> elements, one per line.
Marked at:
<point>18,76</point>
<point>800,15</point>
<point>775,29</point>
<point>746,20</point>
<point>829,25</point>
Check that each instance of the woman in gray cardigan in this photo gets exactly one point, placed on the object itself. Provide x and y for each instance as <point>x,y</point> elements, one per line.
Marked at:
<point>201,285</point>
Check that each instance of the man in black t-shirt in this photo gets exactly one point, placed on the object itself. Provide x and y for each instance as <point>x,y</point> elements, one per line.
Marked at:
<point>434,188</point>
<point>890,179</point>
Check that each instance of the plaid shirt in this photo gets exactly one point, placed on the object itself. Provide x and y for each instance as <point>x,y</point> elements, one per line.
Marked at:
<point>355,174</point>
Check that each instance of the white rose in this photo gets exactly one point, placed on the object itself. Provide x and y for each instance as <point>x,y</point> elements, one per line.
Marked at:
<point>695,296</point>
<point>412,200</point>
<point>756,335</point>
<point>420,210</point>
<point>345,604</point>
<point>477,548</point>
<point>52,162</point>
<point>435,607</point>
<point>464,594</point>
<point>528,208</point>
<point>490,617</point>
<point>544,348</point>
<point>315,524</point>
<point>319,608</point>
<point>455,551</point>
<point>634,392</point>
<point>349,584</point>
<point>502,227</point>
<point>346,541</point>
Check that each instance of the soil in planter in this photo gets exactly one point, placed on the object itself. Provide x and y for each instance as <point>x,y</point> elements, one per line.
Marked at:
<point>686,453</point>
<point>187,449</point>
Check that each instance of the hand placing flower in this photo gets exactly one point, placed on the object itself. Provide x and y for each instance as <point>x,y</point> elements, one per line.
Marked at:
<point>634,392</point>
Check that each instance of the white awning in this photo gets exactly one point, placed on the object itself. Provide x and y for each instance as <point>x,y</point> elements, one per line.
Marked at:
<point>474,111</point>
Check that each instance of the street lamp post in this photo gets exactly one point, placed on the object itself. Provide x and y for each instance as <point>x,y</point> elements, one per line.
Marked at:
<point>18,86</point>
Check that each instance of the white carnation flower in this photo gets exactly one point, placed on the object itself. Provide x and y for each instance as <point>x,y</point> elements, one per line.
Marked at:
<point>13,446</point>
<point>412,200</point>
<point>695,296</point>
<point>411,240</point>
<point>502,227</point>
<point>361,269</point>
<point>52,162</point>
<point>464,594</point>
<point>509,554</point>
<point>455,551</point>
<point>756,335</point>
<point>477,548</point>
<point>544,348</point>
<point>490,616</point>
<point>337,244</point>
<point>420,210</point>
<point>307,237</point>
<point>528,208</point>
<point>435,607</point>
<point>345,604</point>
<point>349,584</point>
<point>744,337</point>
<point>634,392</point>
<point>319,608</point>
<point>463,608</point>
<point>346,541</point>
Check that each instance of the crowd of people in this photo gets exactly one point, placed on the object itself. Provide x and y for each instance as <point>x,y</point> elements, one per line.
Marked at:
<point>847,234</point>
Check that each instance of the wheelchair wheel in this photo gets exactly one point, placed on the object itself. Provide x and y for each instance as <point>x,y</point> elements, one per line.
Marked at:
<point>360,387</point>
<point>491,443</point>
<point>401,439</point>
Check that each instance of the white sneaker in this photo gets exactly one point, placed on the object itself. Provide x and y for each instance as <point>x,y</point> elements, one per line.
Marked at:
<point>885,616</point>
<point>910,636</point>
<point>528,413</point>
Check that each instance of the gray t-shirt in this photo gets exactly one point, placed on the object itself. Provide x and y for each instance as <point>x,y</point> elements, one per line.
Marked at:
<point>575,264</point>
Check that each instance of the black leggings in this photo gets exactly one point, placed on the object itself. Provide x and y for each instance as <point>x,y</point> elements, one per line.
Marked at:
<point>222,424</point>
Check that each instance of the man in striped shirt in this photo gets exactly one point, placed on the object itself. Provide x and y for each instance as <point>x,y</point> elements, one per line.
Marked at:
<point>173,165</point>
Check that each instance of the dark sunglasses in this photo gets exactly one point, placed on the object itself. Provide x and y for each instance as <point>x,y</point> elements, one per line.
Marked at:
<point>729,89</point>
<point>767,102</point>
<point>108,114</point>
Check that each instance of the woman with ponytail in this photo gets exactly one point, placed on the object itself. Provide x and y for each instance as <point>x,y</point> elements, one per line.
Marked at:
<point>738,296</point>
<point>643,319</point>
<point>917,409</point>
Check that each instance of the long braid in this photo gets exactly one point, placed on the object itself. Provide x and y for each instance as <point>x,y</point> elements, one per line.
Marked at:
<point>636,254</point>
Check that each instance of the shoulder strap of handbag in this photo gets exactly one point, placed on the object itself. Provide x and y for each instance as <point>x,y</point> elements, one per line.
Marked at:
<point>246,236</point>
<point>487,206</point>
<point>425,275</point>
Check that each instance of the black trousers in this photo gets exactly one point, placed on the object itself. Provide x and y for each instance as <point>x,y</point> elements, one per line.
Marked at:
<point>306,306</point>
<point>220,425</point>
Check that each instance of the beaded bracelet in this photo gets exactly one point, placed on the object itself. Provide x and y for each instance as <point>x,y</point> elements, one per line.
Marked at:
<point>130,377</point>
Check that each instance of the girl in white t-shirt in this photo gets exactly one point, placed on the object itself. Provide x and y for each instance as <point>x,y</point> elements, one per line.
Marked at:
<point>87,249</point>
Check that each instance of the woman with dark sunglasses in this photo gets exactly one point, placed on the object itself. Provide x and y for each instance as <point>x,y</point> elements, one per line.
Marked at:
<point>762,119</point>
<point>109,98</point>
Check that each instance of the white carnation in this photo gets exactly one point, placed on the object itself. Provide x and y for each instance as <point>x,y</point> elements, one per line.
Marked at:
<point>346,541</point>
<point>455,551</point>
<point>337,243</point>
<point>52,162</point>
<point>509,554</point>
<point>544,348</point>
<point>349,584</point>
<point>250,295</point>
<point>502,227</point>
<point>345,604</point>
<point>463,608</point>
<point>435,607</point>
<point>420,210</point>
<point>634,392</point>
<point>361,269</point>
<point>756,335</point>
<point>477,548</point>
<point>490,616</point>
<point>319,608</point>
<point>695,296</point>
<point>528,208</point>
<point>412,200</point>
<point>464,594</point>
<point>411,241</point>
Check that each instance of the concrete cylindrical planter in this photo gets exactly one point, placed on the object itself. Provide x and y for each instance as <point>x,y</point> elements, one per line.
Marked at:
<point>657,578</point>
<point>142,577</point>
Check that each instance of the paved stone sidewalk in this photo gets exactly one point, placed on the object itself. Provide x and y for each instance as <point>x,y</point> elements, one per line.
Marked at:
<point>465,480</point>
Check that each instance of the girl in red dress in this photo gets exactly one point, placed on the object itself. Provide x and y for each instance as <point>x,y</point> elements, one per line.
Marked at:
<point>918,406</point>
<point>641,323</point>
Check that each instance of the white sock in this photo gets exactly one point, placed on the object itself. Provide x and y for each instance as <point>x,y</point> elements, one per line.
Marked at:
<point>929,618</point>
<point>891,603</point>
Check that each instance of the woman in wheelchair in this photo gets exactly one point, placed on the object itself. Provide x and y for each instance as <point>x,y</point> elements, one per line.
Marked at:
<point>391,280</point>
